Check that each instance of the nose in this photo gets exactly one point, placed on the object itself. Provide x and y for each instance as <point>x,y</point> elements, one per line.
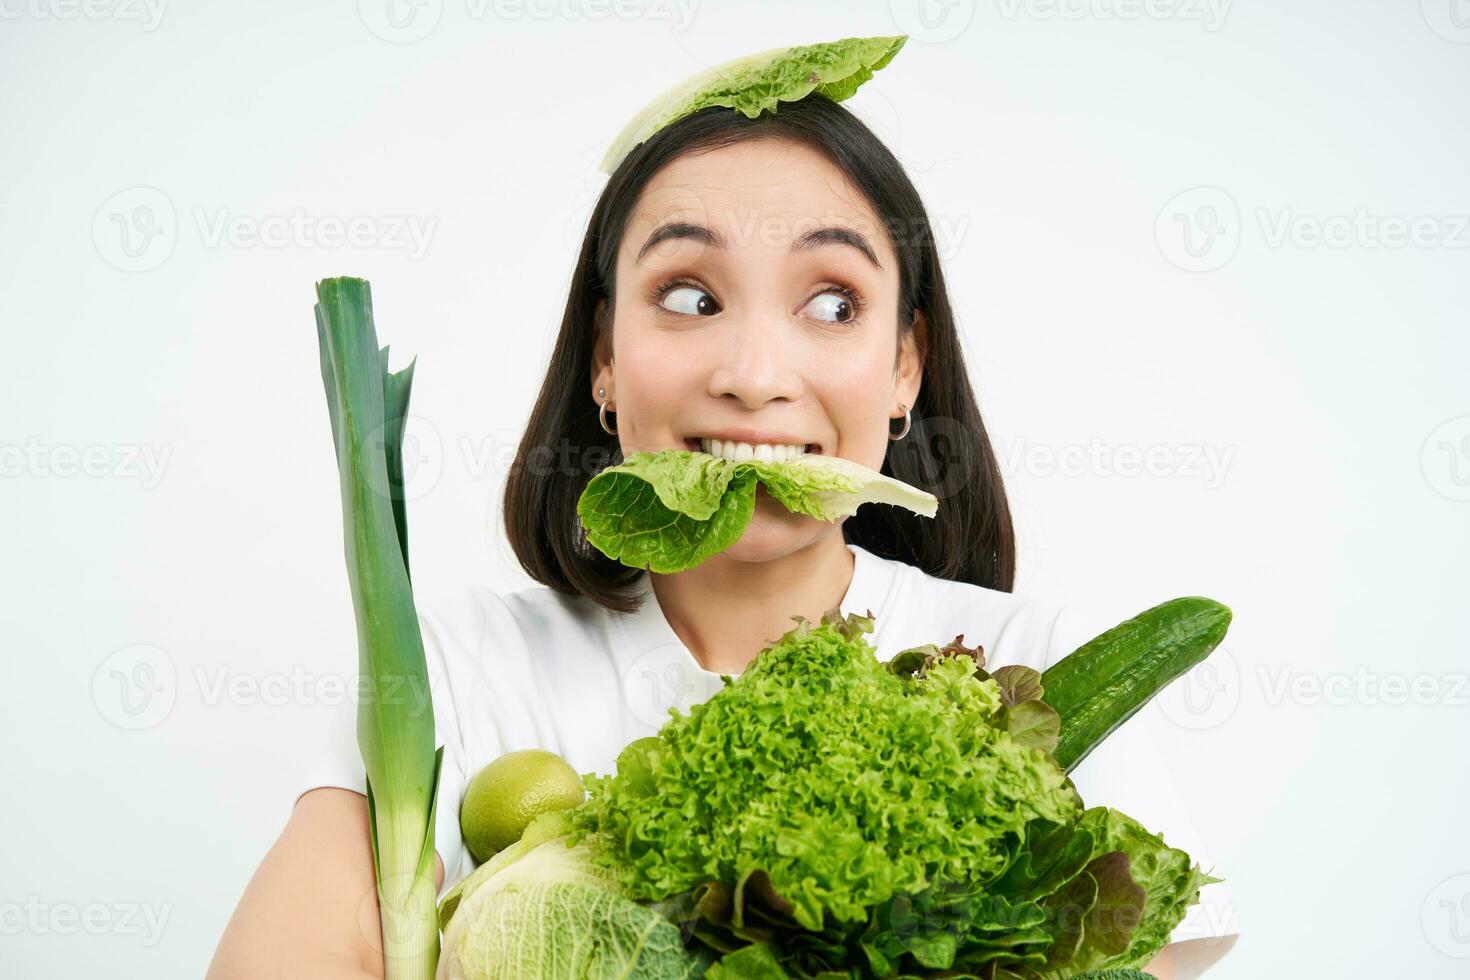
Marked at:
<point>757,362</point>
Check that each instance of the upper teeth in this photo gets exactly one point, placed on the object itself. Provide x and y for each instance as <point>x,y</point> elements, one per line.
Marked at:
<point>740,452</point>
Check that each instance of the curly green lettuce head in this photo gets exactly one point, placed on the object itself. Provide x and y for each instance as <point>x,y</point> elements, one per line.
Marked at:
<point>760,82</point>
<point>843,782</point>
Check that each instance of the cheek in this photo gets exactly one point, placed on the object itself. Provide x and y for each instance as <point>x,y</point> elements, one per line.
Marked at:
<point>653,378</point>
<point>858,395</point>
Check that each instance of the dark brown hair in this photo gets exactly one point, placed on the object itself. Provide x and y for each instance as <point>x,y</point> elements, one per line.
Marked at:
<point>946,452</point>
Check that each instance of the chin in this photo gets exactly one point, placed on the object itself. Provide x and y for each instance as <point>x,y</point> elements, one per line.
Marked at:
<point>775,532</point>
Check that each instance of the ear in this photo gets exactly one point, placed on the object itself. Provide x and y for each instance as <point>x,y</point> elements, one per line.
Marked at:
<point>908,374</point>
<point>601,347</point>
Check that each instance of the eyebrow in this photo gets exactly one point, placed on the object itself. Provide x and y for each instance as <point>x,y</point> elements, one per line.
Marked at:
<point>682,229</point>
<point>834,235</point>
<point>816,238</point>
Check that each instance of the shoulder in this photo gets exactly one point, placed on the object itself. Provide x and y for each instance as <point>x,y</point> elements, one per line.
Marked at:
<point>1012,628</point>
<point>495,658</point>
<point>479,622</point>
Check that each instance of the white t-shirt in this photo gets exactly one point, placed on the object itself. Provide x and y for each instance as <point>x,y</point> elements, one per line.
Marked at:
<point>539,669</point>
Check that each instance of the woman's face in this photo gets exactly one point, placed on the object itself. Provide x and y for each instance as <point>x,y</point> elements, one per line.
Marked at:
<point>757,302</point>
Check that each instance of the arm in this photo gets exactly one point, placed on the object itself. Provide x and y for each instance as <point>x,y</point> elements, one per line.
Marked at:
<point>310,910</point>
<point>1159,966</point>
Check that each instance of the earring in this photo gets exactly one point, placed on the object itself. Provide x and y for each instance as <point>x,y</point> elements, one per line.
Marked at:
<point>906,420</point>
<point>602,412</point>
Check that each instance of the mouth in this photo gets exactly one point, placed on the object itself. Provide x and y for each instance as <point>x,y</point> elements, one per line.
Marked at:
<point>740,452</point>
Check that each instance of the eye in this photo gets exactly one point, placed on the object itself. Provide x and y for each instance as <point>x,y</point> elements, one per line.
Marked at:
<point>687,299</point>
<point>835,305</point>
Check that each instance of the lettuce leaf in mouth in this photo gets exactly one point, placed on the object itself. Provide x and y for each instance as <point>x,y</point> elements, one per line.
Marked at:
<point>669,510</point>
<point>758,82</point>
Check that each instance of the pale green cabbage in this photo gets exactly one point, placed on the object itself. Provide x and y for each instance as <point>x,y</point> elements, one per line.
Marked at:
<point>758,82</point>
<point>542,909</point>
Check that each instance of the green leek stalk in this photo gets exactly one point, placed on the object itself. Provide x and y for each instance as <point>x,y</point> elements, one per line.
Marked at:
<point>395,720</point>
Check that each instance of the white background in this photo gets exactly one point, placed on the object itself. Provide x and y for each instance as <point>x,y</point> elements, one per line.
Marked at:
<point>174,597</point>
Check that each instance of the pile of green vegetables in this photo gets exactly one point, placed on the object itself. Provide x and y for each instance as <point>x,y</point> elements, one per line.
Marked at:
<point>826,815</point>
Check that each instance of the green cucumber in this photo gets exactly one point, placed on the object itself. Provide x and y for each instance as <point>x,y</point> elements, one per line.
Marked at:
<point>1106,680</point>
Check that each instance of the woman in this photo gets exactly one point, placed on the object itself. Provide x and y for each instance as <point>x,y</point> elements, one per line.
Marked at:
<point>745,286</point>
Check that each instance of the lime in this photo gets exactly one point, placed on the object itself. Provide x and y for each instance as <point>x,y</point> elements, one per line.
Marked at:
<point>509,793</point>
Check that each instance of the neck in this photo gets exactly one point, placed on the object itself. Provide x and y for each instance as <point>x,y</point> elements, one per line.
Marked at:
<point>727,611</point>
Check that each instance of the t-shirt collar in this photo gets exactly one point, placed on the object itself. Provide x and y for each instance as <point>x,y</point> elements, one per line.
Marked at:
<point>870,590</point>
